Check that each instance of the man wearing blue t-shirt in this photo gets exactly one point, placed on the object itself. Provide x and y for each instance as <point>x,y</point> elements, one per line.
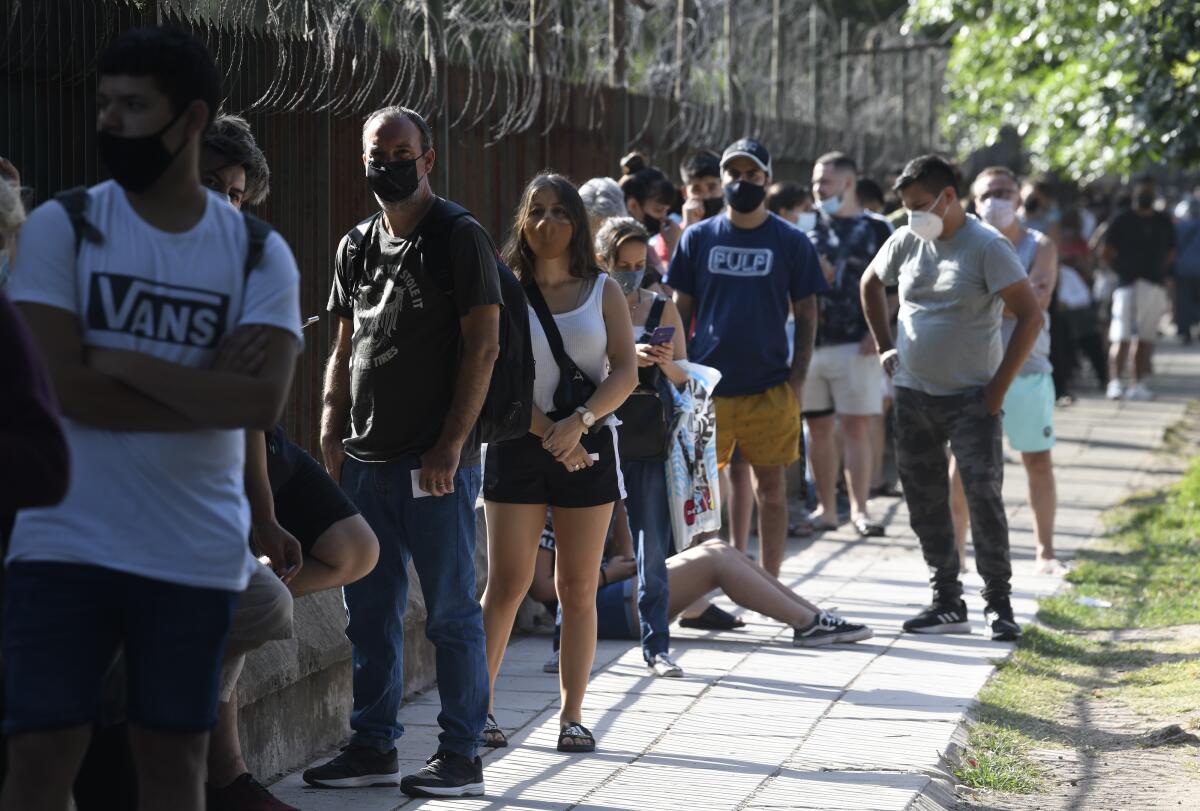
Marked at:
<point>739,275</point>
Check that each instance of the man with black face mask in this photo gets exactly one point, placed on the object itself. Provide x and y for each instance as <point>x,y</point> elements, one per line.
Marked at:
<point>1140,245</point>
<point>739,275</point>
<point>416,295</point>
<point>148,550</point>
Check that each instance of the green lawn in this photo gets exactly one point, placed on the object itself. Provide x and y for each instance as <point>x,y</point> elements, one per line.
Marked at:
<point>1149,570</point>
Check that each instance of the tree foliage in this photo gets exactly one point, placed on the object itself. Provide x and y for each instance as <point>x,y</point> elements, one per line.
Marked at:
<point>1094,86</point>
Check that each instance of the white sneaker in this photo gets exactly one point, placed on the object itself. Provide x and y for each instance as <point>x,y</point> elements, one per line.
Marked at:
<point>1139,391</point>
<point>1115,390</point>
<point>663,666</point>
<point>551,665</point>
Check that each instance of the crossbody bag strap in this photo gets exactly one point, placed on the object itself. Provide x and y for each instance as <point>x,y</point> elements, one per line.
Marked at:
<point>549,327</point>
<point>654,317</point>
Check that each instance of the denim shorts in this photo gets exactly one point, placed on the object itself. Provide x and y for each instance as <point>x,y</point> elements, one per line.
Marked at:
<point>614,612</point>
<point>64,624</point>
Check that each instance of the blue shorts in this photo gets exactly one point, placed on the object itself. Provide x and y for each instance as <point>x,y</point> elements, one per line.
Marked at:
<point>1029,413</point>
<point>614,612</point>
<point>64,624</point>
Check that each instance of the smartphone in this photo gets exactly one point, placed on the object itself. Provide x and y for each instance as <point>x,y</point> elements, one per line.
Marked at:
<point>662,335</point>
<point>312,319</point>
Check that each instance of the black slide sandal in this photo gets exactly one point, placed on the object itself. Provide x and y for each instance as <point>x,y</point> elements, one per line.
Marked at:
<point>493,735</point>
<point>577,732</point>
<point>713,619</point>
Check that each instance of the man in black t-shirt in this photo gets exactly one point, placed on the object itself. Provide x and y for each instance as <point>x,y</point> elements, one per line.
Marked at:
<point>417,335</point>
<point>1140,245</point>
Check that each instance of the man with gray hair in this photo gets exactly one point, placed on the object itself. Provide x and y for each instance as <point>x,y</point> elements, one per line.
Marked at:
<point>416,300</point>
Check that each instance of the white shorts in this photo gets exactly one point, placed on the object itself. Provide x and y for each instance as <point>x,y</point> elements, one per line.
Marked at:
<point>842,380</point>
<point>1136,311</point>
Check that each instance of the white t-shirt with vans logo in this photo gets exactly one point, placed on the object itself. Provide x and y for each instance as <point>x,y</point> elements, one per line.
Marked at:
<point>168,506</point>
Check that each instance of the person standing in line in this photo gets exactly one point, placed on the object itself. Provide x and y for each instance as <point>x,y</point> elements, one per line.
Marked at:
<point>956,276</point>
<point>844,381</point>
<point>649,196</point>
<point>568,462</point>
<point>1139,244</point>
<point>702,197</point>
<point>417,336</point>
<point>1029,404</point>
<point>1187,267</point>
<point>621,246</point>
<point>749,261</point>
<point>148,551</point>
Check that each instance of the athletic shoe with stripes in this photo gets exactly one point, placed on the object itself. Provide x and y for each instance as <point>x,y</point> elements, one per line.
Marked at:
<point>1000,621</point>
<point>828,628</point>
<point>940,618</point>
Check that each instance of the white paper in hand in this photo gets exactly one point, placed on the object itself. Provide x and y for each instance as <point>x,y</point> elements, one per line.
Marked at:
<point>417,492</point>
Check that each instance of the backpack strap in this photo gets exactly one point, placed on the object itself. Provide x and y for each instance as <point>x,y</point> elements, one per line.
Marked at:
<point>257,232</point>
<point>358,244</point>
<point>75,202</point>
<point>434,235</point>
<point>655,315</point>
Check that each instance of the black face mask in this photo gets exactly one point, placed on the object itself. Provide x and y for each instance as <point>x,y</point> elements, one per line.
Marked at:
<point>653,224</point>
<point>393,181</point>
<point>744,196</point>
<point>137,162</point>
<point>713,206</point>
<point>1145,201</point>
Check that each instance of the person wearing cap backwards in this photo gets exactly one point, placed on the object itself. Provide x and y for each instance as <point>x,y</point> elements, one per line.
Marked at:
<point>956,276</point>
<point>739,275</point>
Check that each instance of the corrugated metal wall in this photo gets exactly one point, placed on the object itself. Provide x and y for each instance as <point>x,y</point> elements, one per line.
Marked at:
<point>47,126</point>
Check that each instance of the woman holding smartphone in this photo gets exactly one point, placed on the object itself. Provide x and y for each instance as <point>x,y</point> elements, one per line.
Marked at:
<point>567,462</point>
<point>621,247</point>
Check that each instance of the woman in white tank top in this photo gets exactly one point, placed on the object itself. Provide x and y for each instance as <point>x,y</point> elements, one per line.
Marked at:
<point>569,466</point>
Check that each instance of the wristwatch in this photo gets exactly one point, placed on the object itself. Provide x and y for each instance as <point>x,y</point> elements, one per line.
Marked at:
<point>586,417</point>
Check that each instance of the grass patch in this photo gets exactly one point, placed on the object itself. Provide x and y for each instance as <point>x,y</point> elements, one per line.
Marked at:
<point>1149,570</point>
<point>999,761</point>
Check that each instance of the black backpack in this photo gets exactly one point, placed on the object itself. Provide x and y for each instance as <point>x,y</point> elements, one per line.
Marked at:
<point>75,202</point>
<point>508,408</point>
<point>645,431</point>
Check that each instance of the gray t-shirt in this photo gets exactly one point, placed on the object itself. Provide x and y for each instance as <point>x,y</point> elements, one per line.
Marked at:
<point>1038,362</point>
<point>949,325</point>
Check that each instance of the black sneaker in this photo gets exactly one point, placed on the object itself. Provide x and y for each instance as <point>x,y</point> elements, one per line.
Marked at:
<point>356,766</point>
<point>828,628</point>
<point>999,619</point>
<point>940,618</point>
<point>446,774</point>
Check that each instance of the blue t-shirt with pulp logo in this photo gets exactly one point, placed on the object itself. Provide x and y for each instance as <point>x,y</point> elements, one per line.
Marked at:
<point>743,282</point>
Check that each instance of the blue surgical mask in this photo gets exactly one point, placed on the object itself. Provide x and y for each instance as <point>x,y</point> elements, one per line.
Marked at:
<point>831,204</point>
<point>807,221</point>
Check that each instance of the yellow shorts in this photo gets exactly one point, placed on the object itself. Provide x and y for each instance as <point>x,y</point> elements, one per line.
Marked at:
<point>765,427</point>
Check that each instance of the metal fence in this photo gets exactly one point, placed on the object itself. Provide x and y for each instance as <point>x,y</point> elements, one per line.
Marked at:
<point>511,86</point>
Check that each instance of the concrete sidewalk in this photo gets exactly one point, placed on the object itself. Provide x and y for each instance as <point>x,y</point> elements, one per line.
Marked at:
<point>757,724</point>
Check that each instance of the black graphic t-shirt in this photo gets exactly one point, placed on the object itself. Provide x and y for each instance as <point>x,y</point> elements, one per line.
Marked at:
<point>1142,242</point>
<point>851,245</point>
<point>407,341</point>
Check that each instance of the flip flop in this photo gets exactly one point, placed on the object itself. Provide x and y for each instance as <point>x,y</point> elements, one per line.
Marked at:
<point>578,732</point>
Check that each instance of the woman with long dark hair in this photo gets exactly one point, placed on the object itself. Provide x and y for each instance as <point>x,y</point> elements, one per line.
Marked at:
<point>583,348</point>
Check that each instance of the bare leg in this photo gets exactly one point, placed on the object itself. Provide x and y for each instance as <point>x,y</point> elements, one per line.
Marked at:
<point>741,508</point>
<point>579,546</point>
<point>823,456</point>
<point>1117,353</point>
<point>770,490</point>
<point>718,566</point>
<point>1043,499</point>
<point>856,432</point>
<point>344,553</point>
<point>170,769</point>
<point>1143,354</point>
<point>41,768</point>
<point>225,761</point>
<point>513,532</point>
<point>959,513</point>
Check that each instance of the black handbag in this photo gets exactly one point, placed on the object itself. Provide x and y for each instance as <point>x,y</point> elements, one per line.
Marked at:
<point>645,430</point>
<point>575,388</point>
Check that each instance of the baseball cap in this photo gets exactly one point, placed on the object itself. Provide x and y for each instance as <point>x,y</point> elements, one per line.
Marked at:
<point>748,148</point>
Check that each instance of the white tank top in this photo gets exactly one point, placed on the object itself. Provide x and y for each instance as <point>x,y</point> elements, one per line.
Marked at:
<point>584,336</point>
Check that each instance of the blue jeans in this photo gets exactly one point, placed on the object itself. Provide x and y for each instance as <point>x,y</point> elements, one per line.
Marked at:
<point>650,524</point>
<point>438,534</point>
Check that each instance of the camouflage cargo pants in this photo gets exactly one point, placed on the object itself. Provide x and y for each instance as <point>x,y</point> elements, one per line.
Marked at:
<point>924,424</point>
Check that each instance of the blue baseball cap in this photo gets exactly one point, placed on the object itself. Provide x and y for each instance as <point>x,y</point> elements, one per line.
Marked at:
<point>748,148</point>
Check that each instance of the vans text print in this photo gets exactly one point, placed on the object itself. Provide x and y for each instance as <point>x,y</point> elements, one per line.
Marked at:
<point>740,261</point>
<point>157,311</point>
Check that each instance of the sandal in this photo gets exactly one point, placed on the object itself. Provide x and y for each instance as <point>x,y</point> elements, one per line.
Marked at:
<point>867,528</point>
<point>493,735</point>
<point>577,732</point>
<point>800,529</point>
<point>713,619</point>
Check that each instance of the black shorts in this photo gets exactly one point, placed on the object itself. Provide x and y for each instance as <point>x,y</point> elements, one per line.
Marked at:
<point>307,500</point>
<point>521,471</point>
